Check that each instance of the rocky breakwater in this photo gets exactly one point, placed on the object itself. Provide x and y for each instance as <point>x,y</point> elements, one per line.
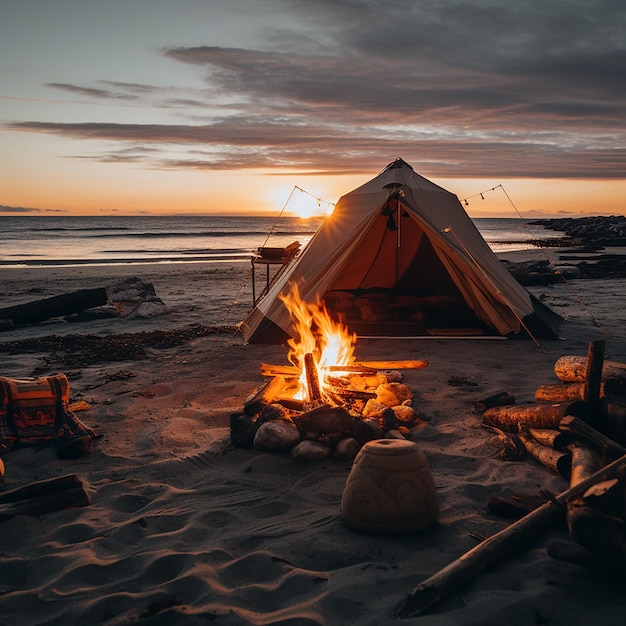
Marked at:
<point>592,233</point>
<point>585,253</point>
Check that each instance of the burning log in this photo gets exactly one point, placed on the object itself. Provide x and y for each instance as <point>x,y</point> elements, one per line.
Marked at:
<point>264,396</point>
<point>363,367</point>
<point>394,365</point>
<point>357,369</point>
<point>312,380</point>
<point>279,370</point>
<point>349,393</point>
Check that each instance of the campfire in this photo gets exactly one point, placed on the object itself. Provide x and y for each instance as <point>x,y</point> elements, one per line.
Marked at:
<point>325,402</point>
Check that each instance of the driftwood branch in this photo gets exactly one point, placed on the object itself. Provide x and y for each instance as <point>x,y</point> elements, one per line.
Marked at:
<point>56,306</point>
<point>501,545</point>
<point>578,429</point>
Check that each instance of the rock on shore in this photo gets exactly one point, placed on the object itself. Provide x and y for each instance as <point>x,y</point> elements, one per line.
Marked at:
<point>584,254</point>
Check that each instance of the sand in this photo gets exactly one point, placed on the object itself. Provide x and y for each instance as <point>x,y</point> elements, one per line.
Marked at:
<point>183,528</point>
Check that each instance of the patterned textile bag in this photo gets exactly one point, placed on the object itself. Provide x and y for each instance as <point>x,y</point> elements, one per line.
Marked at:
<point>33,410</point>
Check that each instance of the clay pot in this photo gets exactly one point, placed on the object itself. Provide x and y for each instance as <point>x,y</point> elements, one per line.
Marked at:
<point>390,489</point>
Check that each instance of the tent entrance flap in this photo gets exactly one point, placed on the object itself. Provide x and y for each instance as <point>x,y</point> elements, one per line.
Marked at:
<point>394,284</point>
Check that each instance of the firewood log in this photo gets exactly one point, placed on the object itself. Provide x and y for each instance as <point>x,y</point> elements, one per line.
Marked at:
<point>593,376</point>
<point>265,395</point>
<point>537,415</point>
<point>312,380</point>
<point>279,370</point>
<point>561,392</point>
<point>550,437</point>
<point>502,398</point>
<point>573,368</point>
<point>559,462</point>
<point>394,365</point>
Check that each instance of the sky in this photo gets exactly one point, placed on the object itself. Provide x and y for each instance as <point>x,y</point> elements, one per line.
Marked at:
<point>228,106</point>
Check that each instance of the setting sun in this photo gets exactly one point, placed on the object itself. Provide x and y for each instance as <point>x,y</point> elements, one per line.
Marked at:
<point>303,204</point>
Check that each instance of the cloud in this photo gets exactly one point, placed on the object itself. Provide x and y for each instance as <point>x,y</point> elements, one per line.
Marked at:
<point>26,210</point>
<point>530,88</point>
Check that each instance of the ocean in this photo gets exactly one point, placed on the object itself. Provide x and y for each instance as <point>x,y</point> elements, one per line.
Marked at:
<point>103,240</point>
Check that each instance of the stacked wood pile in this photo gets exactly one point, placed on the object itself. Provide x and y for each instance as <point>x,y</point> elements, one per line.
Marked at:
<point>362,402</point>
<point>593,505</point>
<point>575,428</point>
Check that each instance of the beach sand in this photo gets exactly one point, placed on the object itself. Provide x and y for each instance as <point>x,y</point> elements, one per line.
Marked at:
<point>183,528</point>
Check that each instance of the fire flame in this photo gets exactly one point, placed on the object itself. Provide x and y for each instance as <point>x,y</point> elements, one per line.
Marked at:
<point>316,333</point>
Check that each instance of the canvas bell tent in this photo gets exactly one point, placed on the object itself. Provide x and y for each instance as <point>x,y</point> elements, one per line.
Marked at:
<point>400,257</point>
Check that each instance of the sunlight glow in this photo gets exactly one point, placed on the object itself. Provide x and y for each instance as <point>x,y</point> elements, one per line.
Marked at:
<point>305,205</point>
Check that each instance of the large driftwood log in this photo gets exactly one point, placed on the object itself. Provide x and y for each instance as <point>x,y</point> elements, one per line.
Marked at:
<point>501,545</point>
<point>43,497</point>
<point>41,488</point>
<point>537,415</point>
<point>56,306</point>
<point>573,369</point>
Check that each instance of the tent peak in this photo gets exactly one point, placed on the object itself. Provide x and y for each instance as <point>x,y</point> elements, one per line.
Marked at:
<point>397,163</point>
